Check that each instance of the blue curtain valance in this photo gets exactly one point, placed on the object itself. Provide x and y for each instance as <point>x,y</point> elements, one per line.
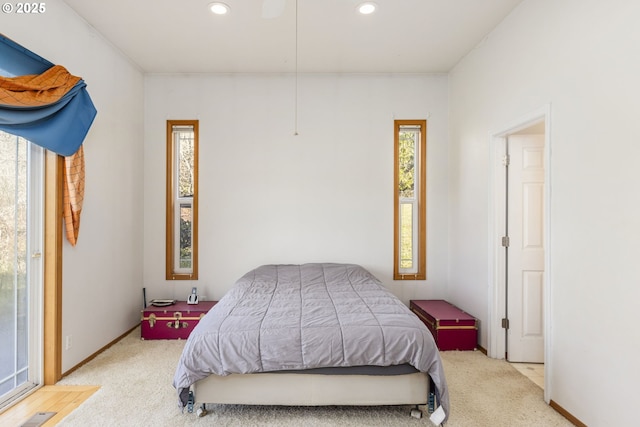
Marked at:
<point>60,126</point>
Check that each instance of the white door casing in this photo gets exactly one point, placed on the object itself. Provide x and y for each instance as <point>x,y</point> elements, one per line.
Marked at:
<point>496,342</point>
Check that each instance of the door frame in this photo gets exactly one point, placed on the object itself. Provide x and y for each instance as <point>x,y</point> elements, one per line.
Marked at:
<point>52,322</point>
<point>497,218</point>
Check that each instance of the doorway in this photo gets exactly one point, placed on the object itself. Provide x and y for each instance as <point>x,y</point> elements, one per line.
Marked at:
<point>21,206</point>
<point>519,231</point>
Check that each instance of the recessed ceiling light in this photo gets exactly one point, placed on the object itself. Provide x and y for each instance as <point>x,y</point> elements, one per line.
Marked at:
<point>219,8</point>
<point>367,8</point>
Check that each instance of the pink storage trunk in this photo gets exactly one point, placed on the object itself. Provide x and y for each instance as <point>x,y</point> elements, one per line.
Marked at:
<point>452,328</point>
<point>173,322</point>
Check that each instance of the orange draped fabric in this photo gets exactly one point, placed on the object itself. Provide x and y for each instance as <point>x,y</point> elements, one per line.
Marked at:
<point>73,194</point>
<point>37,89</point>
<point>43,89</point>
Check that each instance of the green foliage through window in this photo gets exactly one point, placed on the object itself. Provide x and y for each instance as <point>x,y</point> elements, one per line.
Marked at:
<point>406,160</point>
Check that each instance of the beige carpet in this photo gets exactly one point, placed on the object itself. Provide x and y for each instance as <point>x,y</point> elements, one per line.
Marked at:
<point>135,378</point>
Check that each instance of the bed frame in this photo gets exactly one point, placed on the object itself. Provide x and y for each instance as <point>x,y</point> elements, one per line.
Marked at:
<point>298,389</point>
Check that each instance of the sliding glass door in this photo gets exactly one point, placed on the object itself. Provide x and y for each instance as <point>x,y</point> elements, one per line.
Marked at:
<point>21,219</point>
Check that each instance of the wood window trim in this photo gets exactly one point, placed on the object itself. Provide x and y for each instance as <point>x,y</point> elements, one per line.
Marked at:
<point>422,202</point>
<point>169,273</point>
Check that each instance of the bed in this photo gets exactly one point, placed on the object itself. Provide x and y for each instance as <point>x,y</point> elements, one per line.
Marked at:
<point>311,334</point>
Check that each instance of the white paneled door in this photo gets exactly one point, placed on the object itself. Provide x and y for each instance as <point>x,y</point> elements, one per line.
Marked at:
<point>525,265</point>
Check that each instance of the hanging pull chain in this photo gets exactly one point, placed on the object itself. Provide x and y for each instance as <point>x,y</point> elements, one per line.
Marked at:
<point>295,108</point>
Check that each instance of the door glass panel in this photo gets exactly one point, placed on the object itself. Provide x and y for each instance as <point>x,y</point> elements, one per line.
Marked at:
<point>17,316</point>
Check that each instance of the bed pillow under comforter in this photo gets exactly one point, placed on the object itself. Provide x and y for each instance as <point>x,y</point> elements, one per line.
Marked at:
<point>283,317</point>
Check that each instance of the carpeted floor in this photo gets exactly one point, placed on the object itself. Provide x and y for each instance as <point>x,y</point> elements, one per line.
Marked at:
<point>135,378</point>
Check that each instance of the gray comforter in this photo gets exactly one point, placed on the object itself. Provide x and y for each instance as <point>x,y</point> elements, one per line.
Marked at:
<point>284,317</point>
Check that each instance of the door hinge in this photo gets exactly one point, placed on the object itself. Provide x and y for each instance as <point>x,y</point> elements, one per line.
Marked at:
<point>505,323</point>
<point>505,241</point>
<point>506,160</point>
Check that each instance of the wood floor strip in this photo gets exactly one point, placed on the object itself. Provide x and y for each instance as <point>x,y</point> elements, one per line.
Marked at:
<point>61,399</point>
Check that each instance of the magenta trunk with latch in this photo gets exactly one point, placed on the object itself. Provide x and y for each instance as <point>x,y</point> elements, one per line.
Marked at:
<point>173,322</point>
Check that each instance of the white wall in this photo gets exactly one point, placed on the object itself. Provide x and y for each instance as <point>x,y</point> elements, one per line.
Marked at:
<point>581,56</point>
<point>102,274</point>
<point>267,196</point>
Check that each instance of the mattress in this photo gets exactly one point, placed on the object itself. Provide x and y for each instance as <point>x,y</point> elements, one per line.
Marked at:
<point>403,369</point>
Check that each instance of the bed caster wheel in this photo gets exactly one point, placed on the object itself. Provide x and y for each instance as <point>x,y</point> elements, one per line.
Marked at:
<point>201,412</point>
<point>416,413</point>
<point>190,402</point>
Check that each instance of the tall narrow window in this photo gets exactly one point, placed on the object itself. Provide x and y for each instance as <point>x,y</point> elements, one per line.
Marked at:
<point>182,200</point>
<point>410,146</point>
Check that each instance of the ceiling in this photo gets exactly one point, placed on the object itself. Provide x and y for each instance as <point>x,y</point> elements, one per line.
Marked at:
<point>260,36</point>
